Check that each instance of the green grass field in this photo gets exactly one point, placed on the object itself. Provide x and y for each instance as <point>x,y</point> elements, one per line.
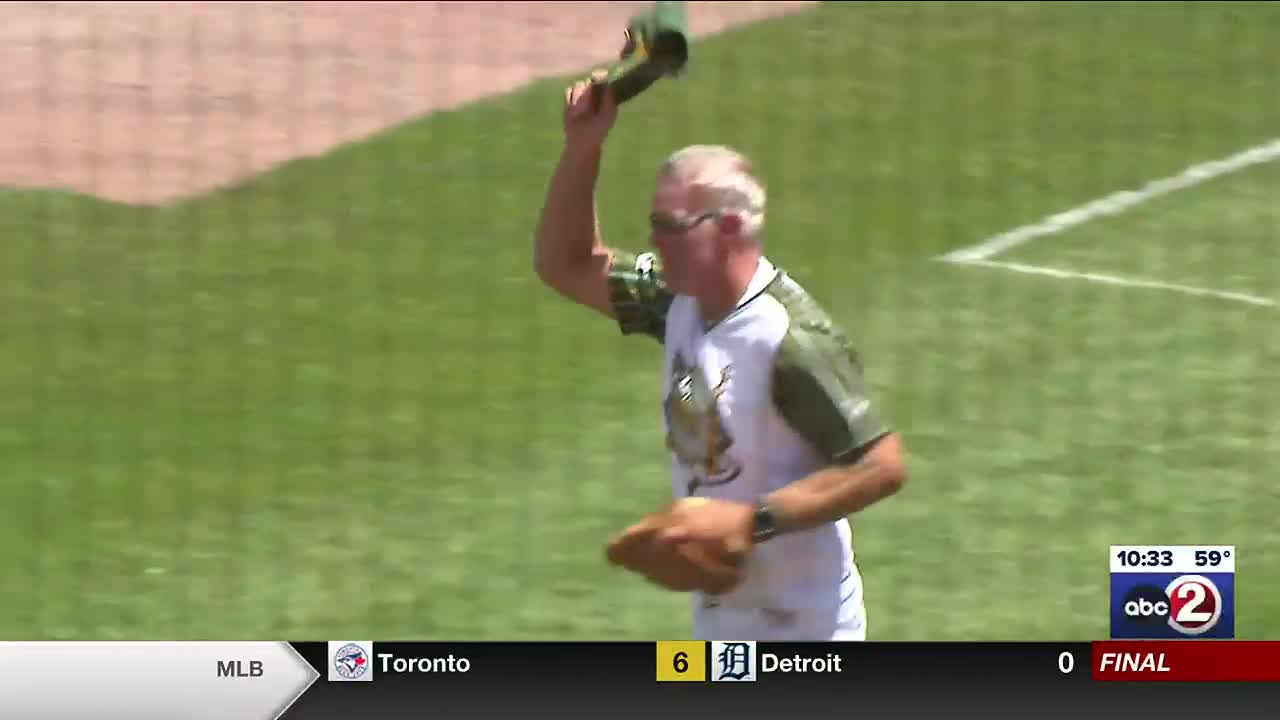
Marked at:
<point>335,402</point>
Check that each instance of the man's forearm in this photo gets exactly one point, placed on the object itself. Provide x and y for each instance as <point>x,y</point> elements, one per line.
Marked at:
<point>567,230</point>
<point>836,492</point>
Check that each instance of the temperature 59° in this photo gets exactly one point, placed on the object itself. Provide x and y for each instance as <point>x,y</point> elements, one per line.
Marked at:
<point>1211,558</point>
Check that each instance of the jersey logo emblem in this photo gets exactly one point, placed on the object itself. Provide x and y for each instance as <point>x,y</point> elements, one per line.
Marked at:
<point>696,432</point>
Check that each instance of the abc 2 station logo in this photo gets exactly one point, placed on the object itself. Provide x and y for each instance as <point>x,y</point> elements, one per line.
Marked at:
<point>1156,595</point>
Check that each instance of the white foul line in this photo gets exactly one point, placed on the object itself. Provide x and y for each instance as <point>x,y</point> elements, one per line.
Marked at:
<point>1122,281</point>
<point>1115,203</point>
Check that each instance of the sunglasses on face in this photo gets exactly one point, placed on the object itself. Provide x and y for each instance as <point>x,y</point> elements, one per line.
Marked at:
<point>677,226</point>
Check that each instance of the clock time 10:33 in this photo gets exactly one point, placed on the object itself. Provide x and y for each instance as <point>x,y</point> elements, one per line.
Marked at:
<point>1163,557</point>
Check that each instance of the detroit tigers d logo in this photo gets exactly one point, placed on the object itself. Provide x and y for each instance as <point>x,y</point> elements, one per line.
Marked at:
<point>695,428</point>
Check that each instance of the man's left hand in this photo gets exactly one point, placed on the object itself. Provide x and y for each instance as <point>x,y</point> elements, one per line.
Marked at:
<point>707,520</point>
<point>695,544</point>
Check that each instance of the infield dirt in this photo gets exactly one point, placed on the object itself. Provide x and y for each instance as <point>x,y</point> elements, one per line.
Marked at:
<point>147,103</point>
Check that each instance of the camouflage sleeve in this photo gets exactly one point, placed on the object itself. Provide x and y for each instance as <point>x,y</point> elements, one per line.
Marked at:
<point>818,388</point>
<point>638,295</point>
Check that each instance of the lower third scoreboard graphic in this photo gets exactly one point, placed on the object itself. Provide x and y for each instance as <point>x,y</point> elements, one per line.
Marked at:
<point>1173,591</point>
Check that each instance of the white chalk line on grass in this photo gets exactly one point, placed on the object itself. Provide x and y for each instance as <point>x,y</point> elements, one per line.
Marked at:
<point>981,255</point>
<point>1122,281</point>
<point>1115,203</point>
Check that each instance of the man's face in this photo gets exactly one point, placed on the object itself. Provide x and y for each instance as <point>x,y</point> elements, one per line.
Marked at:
<point>685,236</point>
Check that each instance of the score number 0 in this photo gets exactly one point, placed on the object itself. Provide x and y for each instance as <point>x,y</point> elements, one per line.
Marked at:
<point>1066,662</point>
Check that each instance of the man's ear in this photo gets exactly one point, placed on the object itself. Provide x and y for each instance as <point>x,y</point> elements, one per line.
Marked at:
<point>730,224</point>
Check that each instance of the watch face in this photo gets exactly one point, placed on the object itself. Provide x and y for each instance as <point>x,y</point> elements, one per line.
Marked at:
<point>763,523</point>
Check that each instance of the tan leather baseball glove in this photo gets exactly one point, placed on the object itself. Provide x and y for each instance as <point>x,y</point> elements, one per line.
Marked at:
<point>711,565</point>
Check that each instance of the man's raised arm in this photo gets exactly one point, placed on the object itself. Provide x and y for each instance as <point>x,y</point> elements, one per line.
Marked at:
<point>569,254</point>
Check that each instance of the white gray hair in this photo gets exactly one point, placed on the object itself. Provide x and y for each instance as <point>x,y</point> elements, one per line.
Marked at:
<point>724,176</point>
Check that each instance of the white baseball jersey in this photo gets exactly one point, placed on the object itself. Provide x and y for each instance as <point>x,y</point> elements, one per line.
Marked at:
<point>767,396</point>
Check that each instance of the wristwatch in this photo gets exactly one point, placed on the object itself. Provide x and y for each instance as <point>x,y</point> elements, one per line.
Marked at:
<point>764,524</point>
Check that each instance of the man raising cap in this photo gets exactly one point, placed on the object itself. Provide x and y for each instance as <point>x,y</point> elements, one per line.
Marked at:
<point>765,409</point>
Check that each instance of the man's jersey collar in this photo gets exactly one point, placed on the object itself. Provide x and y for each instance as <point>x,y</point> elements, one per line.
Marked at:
<point>765,274</point>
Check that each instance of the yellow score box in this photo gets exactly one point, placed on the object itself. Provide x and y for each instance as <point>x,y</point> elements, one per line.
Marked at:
<point>682,661</point>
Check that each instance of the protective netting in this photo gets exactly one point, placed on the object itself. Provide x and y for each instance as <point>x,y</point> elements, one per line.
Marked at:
<point>274,360</point>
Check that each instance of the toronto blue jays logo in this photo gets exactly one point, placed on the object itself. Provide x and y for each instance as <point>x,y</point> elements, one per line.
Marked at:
<point>351,661</point>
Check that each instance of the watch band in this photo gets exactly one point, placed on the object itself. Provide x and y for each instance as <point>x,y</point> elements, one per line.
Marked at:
<point>764,524</point>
